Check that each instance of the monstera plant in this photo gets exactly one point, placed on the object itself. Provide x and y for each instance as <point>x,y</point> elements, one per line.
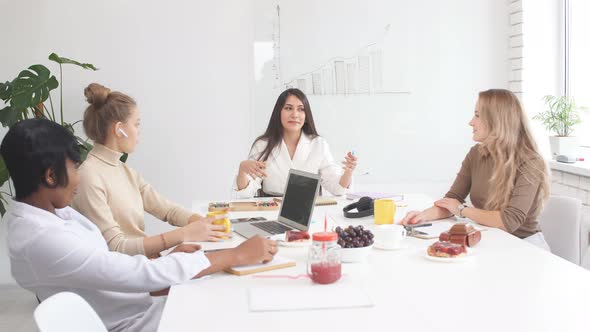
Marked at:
<point>29,96</point>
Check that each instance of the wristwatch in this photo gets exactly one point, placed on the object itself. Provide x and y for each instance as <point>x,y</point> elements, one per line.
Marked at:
<point>461,207</point>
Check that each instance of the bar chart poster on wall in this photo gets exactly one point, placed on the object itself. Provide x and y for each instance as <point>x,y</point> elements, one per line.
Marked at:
<point>310,48</point>
<point>349,57</point>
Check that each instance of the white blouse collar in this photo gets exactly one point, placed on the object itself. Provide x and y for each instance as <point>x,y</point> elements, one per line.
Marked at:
<point>300,151</point>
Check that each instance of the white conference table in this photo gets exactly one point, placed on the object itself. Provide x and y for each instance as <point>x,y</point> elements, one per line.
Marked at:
<point>507,285</point>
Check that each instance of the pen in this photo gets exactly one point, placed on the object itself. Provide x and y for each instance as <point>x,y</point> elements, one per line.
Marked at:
<point>421,225</point>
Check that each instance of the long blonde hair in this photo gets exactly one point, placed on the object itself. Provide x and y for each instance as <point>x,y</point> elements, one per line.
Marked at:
<point>511,147</point>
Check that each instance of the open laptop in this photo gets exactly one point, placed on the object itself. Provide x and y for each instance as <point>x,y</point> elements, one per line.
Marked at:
<point>296,210</point>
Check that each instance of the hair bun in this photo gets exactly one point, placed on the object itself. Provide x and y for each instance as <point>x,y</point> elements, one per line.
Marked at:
<point>96,94</point>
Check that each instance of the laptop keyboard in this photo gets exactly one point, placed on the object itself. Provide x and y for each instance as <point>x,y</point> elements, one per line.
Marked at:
<point>272,227</point>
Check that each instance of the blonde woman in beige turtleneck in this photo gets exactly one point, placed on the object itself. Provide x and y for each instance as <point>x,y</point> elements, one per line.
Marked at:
<point>114,196</point>
<point>504,174</point>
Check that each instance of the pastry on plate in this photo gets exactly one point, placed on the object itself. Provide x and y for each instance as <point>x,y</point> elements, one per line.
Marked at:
<point>464,234</point>
<point>447,250</point>
<point>299,236</point>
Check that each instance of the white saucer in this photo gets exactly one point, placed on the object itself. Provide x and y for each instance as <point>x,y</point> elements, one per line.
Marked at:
<point>381,246</point>
<point>461,259</point>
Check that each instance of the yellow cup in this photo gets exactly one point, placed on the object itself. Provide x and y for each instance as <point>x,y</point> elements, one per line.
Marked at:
<point>384,211</point>
<point>223,222</point>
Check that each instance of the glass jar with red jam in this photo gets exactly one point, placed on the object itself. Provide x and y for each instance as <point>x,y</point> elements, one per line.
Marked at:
<point>324,264</point>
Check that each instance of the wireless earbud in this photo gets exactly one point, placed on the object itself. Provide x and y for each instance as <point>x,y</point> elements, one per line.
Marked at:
<point>123,132</point>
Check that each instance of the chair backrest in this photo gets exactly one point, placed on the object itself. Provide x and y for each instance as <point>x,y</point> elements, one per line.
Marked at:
<point>67,312</point>
<point>560,223</point>
<point>585,240</point>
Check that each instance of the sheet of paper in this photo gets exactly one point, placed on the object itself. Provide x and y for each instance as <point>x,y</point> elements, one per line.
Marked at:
<point>306,295</point>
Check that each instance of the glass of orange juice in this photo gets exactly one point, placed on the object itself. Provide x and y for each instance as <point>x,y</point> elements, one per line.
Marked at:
<point>223,221</point>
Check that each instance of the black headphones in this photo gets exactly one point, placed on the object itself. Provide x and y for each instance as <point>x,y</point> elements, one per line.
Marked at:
<point>364,206</point>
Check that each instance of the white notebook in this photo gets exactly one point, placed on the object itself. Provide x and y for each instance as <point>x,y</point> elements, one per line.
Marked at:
<point>308,296</point>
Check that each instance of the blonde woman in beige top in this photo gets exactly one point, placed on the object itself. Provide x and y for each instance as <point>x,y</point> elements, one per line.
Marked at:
<point>504,175</point>
<point>114,196</point>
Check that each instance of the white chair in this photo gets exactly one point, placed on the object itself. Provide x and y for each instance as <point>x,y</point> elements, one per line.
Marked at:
<point>560,223</point>
<point>585,239</point>
<point>67,312</point>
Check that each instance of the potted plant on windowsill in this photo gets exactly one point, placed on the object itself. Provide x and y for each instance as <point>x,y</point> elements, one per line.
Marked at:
<point>560,118</point>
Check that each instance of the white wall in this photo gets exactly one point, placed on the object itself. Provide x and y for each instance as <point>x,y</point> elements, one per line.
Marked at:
<point>190,67</point>
<point>187,63</point>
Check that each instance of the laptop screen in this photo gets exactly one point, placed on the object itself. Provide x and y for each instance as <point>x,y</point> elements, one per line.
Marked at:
<point>299,198</point>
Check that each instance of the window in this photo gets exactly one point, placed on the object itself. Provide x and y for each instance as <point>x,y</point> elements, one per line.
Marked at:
<point>577,61</point>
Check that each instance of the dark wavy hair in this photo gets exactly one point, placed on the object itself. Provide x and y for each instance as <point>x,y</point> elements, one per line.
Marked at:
<point>33,146</point>
<point>274,131</point>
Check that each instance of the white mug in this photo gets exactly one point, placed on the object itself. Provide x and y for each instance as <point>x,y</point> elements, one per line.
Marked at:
<point>389,236</point>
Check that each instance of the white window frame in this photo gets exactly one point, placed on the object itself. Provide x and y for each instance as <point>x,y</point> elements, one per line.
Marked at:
<point>566,55</point>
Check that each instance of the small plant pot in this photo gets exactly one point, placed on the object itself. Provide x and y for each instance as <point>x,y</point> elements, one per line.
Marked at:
<point>564,145</point>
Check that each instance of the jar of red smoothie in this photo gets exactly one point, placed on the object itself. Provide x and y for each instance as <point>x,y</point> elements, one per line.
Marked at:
<point>324,262</point>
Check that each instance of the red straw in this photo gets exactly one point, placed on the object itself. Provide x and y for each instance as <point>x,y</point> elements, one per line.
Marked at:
<point>325,230</point>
